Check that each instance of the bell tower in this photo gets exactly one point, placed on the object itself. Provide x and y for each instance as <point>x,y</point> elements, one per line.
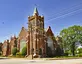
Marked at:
<point>36,31</point>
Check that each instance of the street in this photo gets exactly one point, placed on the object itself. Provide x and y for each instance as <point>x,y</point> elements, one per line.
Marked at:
<point>25,61</point>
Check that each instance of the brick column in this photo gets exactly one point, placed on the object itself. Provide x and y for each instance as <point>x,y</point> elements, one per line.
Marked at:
<point>30,44</point>
<point>38,45</point>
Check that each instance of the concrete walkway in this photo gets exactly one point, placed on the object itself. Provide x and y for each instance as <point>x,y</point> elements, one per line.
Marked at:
<point>25,61</point>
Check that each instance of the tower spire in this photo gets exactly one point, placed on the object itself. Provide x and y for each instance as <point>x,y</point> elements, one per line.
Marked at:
<point>35,11</point>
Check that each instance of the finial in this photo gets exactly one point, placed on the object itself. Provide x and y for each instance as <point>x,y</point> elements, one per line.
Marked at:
<point>22,27</point>
<point>35,11</point>
<point>49,27</point>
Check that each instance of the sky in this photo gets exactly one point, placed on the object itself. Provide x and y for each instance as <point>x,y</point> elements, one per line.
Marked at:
<point>58,14</point>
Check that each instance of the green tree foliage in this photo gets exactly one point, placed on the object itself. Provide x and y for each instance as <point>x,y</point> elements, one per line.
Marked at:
<point>14,51</point>
<point>59,41</point>
<point>79,50</point>
<point>24,51</point>
<point>70,36</point>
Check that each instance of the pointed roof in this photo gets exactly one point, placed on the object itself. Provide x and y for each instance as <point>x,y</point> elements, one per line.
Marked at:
<point>22,33</point>
<point>48,28</point>
<point>35,11</point>
<point>49,31</point>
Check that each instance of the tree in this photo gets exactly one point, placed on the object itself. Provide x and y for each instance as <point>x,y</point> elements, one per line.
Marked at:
<point>59,41</point>
<point>58,51</point>
<point>24,51</point>
<point>14,51</point>
<point>70,36</point>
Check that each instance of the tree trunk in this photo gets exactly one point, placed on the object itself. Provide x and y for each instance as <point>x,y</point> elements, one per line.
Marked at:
<point>73,48</point>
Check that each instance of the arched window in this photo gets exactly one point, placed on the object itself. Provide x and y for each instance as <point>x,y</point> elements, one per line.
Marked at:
<point>22,44</point>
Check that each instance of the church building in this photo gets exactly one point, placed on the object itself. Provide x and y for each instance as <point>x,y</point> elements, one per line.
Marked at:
<point>37,39</point>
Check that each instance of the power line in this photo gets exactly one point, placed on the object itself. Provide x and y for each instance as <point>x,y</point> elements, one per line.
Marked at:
<point>66,10</point>
<point>65,14</point>
<point>60,13</point>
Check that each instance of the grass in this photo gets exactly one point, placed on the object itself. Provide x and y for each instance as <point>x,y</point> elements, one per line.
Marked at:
<point>63,57</point>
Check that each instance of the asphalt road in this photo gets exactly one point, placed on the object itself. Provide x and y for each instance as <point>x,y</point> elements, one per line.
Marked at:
<point>25,61</point>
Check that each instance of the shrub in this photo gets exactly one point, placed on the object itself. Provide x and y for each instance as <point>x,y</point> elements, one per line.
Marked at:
<point>0,53</point>
<point>80,55</point>
<point>66,54</point>
<point>24,51</point>
<point>18,54</point>
<point>49,52</point>
<point>79,50</point>
<point>40,51</point>
<point>58,51</point>
<point>14,51</point>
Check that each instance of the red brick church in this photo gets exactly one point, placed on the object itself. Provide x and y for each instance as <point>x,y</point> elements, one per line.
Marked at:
<point>35,37</point>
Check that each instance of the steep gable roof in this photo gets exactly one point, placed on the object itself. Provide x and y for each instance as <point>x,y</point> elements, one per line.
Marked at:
<point>22,33</point>
<point>49,31</point>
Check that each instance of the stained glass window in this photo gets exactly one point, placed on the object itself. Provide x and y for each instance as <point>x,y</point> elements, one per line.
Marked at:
<point>22,44</point>
<point>5,46</point>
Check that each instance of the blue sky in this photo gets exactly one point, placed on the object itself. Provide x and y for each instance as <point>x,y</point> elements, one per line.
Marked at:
<point>58,14</point>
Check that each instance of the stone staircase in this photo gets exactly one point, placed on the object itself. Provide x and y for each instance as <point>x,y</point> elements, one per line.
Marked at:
<point>30,57</point>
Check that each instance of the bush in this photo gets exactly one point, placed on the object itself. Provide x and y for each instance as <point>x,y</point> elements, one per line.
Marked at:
<point>49,52</point>
<point>24,51</point>
<point>80,55</point>
<point>14,51</point>
<point>0,53</point>
<point>58,51</point>
<point>18,54</point>
<point>79,50</point>
<point>40,51</point>
<point>65,54</point>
